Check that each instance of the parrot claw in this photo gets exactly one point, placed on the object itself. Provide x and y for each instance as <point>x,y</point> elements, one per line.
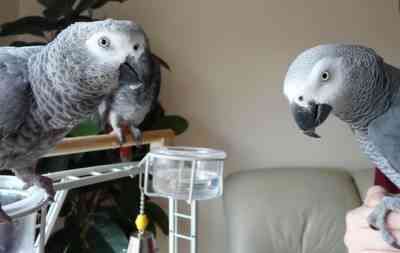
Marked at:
<point>46,184</point>
<point>120,136</point>
<point>137,135</point>
<point>41,182</point>
<point>121,140</point>
<point>377,219</point>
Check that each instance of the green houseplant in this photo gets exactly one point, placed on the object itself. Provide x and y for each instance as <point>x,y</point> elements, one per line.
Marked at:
<point>97,218</point>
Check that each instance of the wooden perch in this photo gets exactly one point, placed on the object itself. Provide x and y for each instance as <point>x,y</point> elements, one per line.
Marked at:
<point>82,144</point>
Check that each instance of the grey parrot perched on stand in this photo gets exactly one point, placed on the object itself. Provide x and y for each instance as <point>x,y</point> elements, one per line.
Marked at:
<point>47,90</point>
<point>360,88</point>
<point>134,98</point>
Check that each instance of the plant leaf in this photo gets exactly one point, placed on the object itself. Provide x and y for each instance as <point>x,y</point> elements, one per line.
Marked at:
<point>26,44</point>
<point>105,236</point>
<point>83,5</point>
<point>129,197</point>
<point>46,3</point>
<point>157,216</point>
<point>65,22</point>
<point>177,123</point>
<point>52,164</point>
<point>154,115</point>
<point>66,240</point>
<point>59,8</point>
<point>34,25</point>
<point>101,3</point>
<point>87,127</point>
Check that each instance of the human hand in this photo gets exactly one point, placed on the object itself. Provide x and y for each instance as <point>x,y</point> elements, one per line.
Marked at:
<point>359,236</point>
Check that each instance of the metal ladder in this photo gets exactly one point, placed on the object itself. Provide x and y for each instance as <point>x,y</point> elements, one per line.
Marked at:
<point>174,216</point>
<point>70,179</point>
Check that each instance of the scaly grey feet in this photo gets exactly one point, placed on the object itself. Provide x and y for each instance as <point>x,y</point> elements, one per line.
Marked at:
<point>120,136</point>
<point>377,219</point>
<point>46,184</point>
<point>136,134</point>
<point>41,182</point>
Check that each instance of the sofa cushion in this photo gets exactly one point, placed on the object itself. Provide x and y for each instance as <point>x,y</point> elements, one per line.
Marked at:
<point>288,210</point>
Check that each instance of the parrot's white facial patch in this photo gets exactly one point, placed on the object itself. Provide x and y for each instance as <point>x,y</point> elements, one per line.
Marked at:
<point>114,47</point>
<point>319,82</point>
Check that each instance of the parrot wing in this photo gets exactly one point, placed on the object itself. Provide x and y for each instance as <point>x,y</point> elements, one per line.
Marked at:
<point>15,92</point>
<point>384,133</point>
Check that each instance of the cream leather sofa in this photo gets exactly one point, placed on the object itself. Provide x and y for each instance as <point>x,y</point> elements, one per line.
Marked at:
<point>291,210</point>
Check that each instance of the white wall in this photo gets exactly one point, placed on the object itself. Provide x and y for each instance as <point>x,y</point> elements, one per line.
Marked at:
<point>228,60</point>
<point>8,12</point>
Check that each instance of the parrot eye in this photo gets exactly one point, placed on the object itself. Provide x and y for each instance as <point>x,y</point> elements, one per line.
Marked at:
<point>104,42</point>
<point>325,76</point>
<point>136,47</point>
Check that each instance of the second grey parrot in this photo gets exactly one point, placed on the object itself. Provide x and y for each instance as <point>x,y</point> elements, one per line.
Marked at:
<point>356,85</point>
<point>46,90</point>
<point>135,97</point>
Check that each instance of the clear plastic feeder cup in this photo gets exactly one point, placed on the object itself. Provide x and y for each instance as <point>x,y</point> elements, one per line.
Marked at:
<point>184,173</point>
<point>22,206</point>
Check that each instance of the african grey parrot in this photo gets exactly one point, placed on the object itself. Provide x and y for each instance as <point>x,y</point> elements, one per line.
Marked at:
<point>355,84</point>
<point>134,98</point>
<point>46,90</point>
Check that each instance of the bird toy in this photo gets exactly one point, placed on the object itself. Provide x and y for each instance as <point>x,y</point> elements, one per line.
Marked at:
<point>143,241</point>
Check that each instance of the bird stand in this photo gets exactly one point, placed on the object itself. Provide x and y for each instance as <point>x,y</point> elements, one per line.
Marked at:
<point>22,206</point>
<point>183,174</point>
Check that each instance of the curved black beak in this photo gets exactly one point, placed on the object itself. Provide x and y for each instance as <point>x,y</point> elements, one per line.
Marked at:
<point>132,70</point>
<point>308,118</point>
<point>139,67</point>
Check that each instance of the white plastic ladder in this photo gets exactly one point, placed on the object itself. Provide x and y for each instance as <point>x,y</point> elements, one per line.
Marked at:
<point>70,179</point>
<point>174,216</point>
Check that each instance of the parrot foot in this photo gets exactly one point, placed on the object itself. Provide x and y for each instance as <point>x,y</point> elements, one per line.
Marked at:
<point>377,219</point>
<point>42,182</point>
<point>4,218</point>
<point>136,134</point>
<point>120,136</point>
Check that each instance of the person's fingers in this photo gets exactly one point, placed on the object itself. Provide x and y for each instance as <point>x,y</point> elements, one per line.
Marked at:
<point>364,239</point>
<point>393,221</point>
<point>357,218</point>
<point>374,196</point>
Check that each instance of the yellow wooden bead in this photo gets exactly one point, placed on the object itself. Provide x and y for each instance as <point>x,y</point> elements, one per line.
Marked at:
<point>141,222</point>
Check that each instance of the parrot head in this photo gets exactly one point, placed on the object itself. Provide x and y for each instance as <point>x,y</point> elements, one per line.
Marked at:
<point>96,49</point>
<point>332,78</point>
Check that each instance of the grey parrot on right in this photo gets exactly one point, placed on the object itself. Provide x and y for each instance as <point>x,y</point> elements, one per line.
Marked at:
<point>47,90</point>
<point>135,97</point>
<point>360,88</point>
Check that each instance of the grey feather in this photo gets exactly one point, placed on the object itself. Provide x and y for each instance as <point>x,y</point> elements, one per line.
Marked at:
<point>384,131</point>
